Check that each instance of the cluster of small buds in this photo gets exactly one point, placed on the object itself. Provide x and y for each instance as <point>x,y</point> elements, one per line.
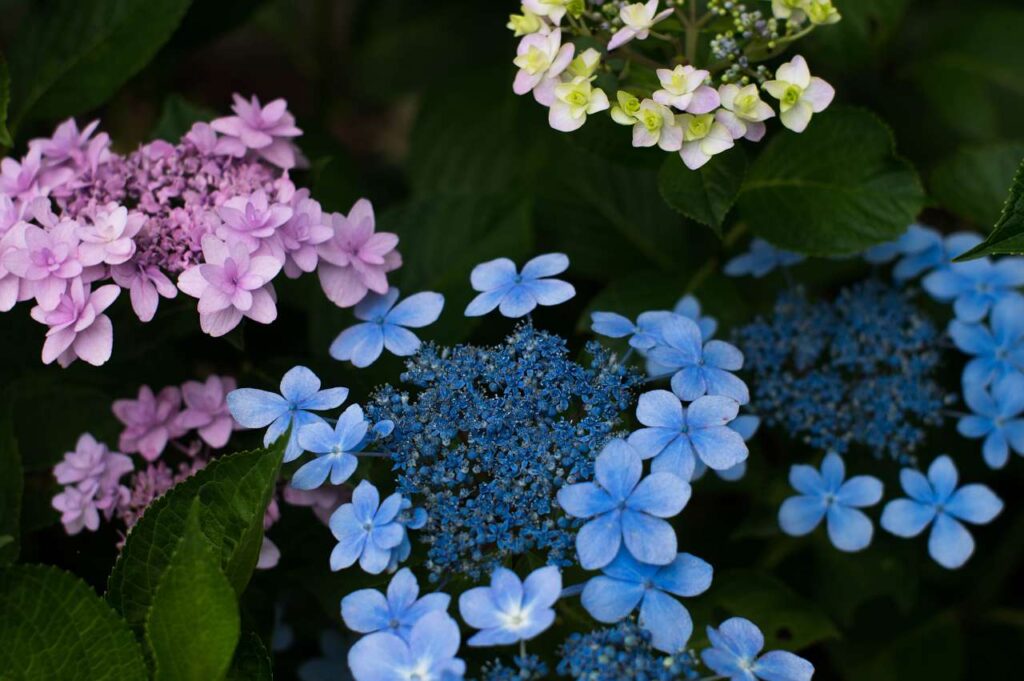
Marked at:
<point>218,211</point>
<point>696,112</point>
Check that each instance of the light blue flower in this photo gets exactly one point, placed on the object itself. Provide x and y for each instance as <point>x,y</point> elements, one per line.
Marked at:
<point>760,260</point>
<point>300,395</point>
<point>644,335</point>
<point>626,583</point>
<point>517,293</point>
<point>413,520</point>
<point>698,369</point>
<point>937,499</point>
<point>366,530</point>
<point>335,449</point>
<point>428,655</point>
<point>998,348</point>
<point>510,610</point>
<point>689,306</point>
<point>735,654</point>
<point>824,495</point>
<point>368,610</point>
<point>674,434</point>
<point>746,425</point>
<point>922,249</point>
<point>996,418</point>
<point>625,509</point>
<point>386,325</point>
<point>976,285</point>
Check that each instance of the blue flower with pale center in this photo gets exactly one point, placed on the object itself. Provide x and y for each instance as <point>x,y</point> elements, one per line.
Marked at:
<point>627,583</point>
<point>366,529</point>
<point>996,418</point>
<point>300,395</point>
<point>674,435</point>
<point>386,325</point>
<point>760,260</point>
<point>335,449</point>
<point>976,285</point>
<point>997,348</point>
<point>936,501</point>
<point>825,495</point>
<point>625,509</point>
<point>736,654</point>
<point>922,249</point>
<point>698,369</point>
<point>510,610</point>
<point>427,655</point>
<point>368,610</point>
<point>516,293</point>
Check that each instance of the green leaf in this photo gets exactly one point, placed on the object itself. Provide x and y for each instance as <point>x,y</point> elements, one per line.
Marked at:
<point>5,100</point>
<point>70,56</point>
<point>54,626</point>
<point>177,117</point>
<point>182,647</point>
<point>252,661</point>
<point>859,39</point>
<point>972,182</point>
<point>932,650</point>
<point>234,491</point>
<point>835,189</point>
<point>11,482</point>
<point>707,194</point>
<point>1007,237</point>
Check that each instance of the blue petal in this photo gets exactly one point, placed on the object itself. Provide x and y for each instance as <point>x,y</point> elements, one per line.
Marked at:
<point>347,552</point>
<point>402,590</point>
<point>659,494</point>
<point>683,335</point>
<point>299,384</point>
<point>950,544</point>
<point>342,467</point>
<point>710,411</point>
<point>860,491</point>
<point>585,500</point>
<point>943,477</point>
<point>550,291</point>
<point>971,306</point>
<point>331,398</point>
<point>317,437</point>
<point>493,274</point>
<point>689,383</point>
<point>417,311</point>
<point>973,339</point>
<point>832,471</point>
<point>517,302</point>
<point>374,559</point>
<point>995,450</point>
<point>365,611</point>
<point>806,480</point>
<point>435,637</point>
<point>743,637</point>
<point>388,509</point>
<point>651,540</point>
<point>721,382</point>
<point>780,665</point>
<point>374,306</point>
<point>610,324</point>
<point>598,541</point>
<point>974,504</point>
<point>667,620</point>
<point>365,502</point>
<point>800,515</point>
<point>660,409</point>
<point>651,442</point>
<point>677,458</point>
<point>723,356</point>
<point>497,636</point>
<point>626,568</point>
<point>312,474</point>
<point>906,518</point>
<point>539,622</point>
<point>687,575</point>
<point>1008,319</point>
<point>478,610</point>
<point>400,341</point>
<point>944,285</point>
<point>917,486</point>
<point>720,448</point>
<point>545,266</point>
<point>610,600</point>
<point>485,302</point>
<point>848,528</point>
<point>542,588</point>
<point>618,469</point>
<point>361,344</point>
<point>253,408</point>
<point>378,657</point>
<point>506,590</point>
<point>351,428</point>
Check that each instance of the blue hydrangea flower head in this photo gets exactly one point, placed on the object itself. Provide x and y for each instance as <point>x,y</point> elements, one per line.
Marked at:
<point>760,260</point>
<point>368,610</point>
<point>486,436</point>
<point>386,325</point>
<point>624,510</point>
<point>997,348</point>
<point>427,655</point>
<point>675,436</point>
<point>300,395</point>
<point>735,653</point>
<point>976,285</point>
<point>997,418</point>
<point>936,501</point>
<point>827,494</point>
<point>517,293</point>
<point>366,529</point>
<point>856,371</point>
<point>528,668</point>
<point>698,368</point>
<point>511,610</point>
<point>335,449</point>
<point>627,583</point>
<point>689,306</point>
<point>619,653</point>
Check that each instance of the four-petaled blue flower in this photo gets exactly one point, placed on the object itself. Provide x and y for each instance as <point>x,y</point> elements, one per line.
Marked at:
<point>761,259</point>
<point>366,530</point>
<point>368,610</point>
<point>517,293</point>
<point>625,509</point>
<point>674,434</point>
<point>644,335</point>
<point>427,655</point>
<point>627,583</point>
<point>335,449</point>
<point>976,285</point>
<point>998,348</point>
<point>735,654</point>
<point>937,499</point>
<point>300,394</point>
<point>922,248</point>
<point>386,325</point>
<point>825,495</point>
<point>698,369</point>
<point>510,610</point>
<point>996,418</point>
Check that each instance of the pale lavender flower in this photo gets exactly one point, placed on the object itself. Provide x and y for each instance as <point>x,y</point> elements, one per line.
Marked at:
<point>356,259</point>
<point>150,421</point>
<point>206,409</point>
<point>265,129</point>
<point>78,327</point>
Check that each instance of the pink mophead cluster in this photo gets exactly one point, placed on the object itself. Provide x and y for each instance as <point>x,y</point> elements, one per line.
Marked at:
<point>215,216</point>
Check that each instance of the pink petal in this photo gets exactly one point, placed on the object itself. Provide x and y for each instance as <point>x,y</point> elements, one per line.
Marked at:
<point>263,309</point>
<point>342,285</point>
<point>94,345</point>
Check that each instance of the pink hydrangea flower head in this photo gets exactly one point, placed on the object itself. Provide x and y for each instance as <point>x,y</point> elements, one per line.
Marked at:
<point>92,460</point>
<point>145,284</point>
<point>150,421</point>
<point>48,259</point>
<point>251,219</point>
<point>109,239</point>
<point>206,409</point>
<point>264,129</point>
<point>356,259</point>
<point>78,327</point>
<point>231,284</point>
<point>300,236</point>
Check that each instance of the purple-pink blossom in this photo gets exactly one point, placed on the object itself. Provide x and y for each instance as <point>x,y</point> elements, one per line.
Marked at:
<point>47,259</point>
<point>356,259</point>
<point>265,129</point>
<point>150,421</point>
<point>78,327</point>
<point>206,409</point>
<point>91,474</point>
<point>252,220</point>
<point>110,237</point>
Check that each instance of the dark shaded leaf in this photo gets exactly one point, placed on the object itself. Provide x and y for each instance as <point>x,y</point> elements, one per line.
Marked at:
<point>1007,237</point>
<point>707,194</point>
<point>177,117</point>
<point>11,482</point>
<point>5,100</point>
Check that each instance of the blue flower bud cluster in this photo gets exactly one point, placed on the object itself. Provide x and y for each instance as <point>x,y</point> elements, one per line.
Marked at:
<point>619,653</point>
